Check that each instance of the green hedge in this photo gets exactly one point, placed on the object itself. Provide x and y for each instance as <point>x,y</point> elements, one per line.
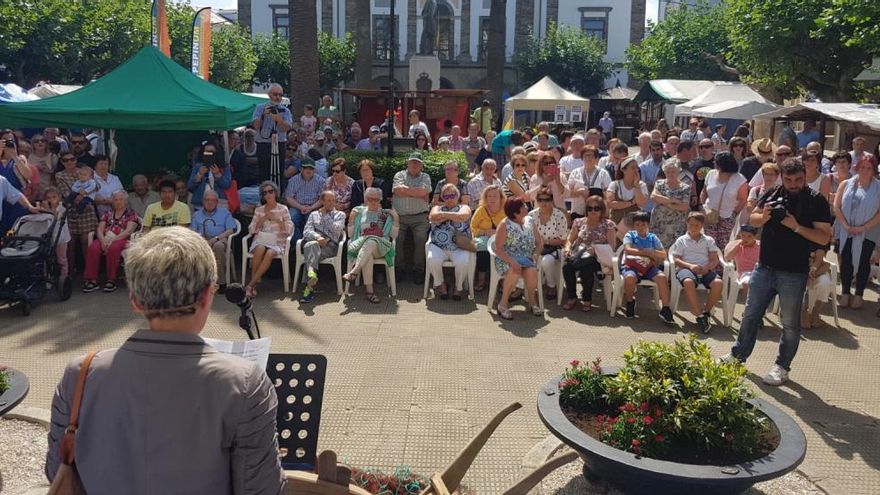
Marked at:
<point>387,166</point>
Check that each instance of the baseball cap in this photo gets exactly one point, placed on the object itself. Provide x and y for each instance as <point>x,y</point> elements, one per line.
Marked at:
<point>307,163</point>
<point>748,228</point>
<point>443,140</point>
<point>578,137</point>
<point>328,129</point>
<point>320,136</point>
<point>529,146</point>
<point>375,128</point>
<point>415,156</point>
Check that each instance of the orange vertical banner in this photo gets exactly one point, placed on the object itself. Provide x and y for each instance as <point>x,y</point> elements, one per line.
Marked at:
<point>201,43</point>
<point>159,30</point>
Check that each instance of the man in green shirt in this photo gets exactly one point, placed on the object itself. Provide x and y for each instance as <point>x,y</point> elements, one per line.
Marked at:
<point>482,116</point>
<point>328,111</point>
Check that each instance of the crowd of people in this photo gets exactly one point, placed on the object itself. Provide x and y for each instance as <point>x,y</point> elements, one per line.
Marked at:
<point>549,208</point>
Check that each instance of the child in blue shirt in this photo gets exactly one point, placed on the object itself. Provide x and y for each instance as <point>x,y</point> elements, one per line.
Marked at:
<point>82,192</point>
<point>643,257</point>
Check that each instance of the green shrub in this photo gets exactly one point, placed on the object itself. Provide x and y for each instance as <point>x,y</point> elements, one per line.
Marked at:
<point>583,387</point>
<point>4,382</point>
<point>386,167</point>
<point>670,392</point>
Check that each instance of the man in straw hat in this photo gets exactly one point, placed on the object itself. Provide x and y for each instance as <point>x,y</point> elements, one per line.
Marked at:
<point>763,150</point>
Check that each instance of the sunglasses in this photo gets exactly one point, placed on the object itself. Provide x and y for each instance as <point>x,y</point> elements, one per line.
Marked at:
<point>549,164</point>
<point>595,208</point>
<point>77,142</point>
<point>738,146</point>
<point>783,154</point>
<point>68,159</point>
<point>337,170</point>
<point>545,200</point>
<point>267,192</point>
<point>705,146</point>
<point>444,197</point>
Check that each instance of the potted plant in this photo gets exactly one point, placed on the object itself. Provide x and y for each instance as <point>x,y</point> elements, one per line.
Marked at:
<point>671,420</point>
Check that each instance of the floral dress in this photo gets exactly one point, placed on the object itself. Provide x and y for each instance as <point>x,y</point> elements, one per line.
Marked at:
<point>520,243</point>
<point>666,223</point>
<point>343,192</point>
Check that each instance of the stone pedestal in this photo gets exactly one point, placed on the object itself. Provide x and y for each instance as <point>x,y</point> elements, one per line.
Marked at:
<point>421,66</point>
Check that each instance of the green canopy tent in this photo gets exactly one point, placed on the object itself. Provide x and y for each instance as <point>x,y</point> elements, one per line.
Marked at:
<point>149,92</point>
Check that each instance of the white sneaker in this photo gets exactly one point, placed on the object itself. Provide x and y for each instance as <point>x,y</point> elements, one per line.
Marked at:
<point>777,376</point>
<point>727,359</point>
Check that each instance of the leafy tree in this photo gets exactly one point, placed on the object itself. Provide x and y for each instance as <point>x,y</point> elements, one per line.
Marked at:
<point>677,47</point>
<point>858,22</point>
<point>780,43</point>
<point>335,60</point>
<point>233,60</point>
<point>273,59</point>
<point>574,60</point>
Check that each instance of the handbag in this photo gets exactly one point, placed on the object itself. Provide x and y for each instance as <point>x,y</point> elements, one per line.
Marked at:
<point>713,216</point>
<point>233,202</point>
<point>618,215</point>
<point>639,264</point>
<point>464,241</point>
<point>67,480</point>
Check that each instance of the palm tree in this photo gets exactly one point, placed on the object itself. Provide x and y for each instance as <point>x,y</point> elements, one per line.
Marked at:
<point>303,40</point>
<point>495,53</point>
<point>363,67</point>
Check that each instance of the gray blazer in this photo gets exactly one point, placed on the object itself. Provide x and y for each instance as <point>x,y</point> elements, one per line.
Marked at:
<point>166,413</point>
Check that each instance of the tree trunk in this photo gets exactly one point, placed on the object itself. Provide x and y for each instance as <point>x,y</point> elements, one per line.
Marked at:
<point>495,58</point>
<point>303,40</point>
<point>363,66</point>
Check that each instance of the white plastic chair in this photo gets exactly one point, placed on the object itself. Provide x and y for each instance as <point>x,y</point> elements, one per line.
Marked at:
<point>728,273</point>
<point>472,270</point>
<point>607,288</point>
<point>494,277</point>
<point>618,283</point>
<point>336,262</point>
<point>285,260</point>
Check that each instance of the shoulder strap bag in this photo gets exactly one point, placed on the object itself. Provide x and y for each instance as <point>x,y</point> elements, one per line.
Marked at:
<point>67,481</point>
<point>713,216</point>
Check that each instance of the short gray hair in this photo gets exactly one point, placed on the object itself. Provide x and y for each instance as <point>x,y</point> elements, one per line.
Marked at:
<point>168,269</point>
<point>672,163</point>
<point>210,192</point>
<point>119,192</point>
<point>451,187</point>
<point>139,177</point>
<point>373,191</point>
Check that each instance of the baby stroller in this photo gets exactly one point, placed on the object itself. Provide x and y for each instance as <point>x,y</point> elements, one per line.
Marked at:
<point>28,267</point>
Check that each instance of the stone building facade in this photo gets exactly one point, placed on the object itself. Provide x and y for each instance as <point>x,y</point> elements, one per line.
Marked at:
<point>462,31</point>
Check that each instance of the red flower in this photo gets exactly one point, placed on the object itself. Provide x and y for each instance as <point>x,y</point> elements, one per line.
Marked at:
<point>631,419</point>
<point>658,412</point>
<point>570,382</point>
<point>728,437</point>
<point>601,418</point>
<point>637,450</point>
<point>629,407</point>
<point>612,420</point>
<point>636,442</point>
<point>575,363</point>
<point>647,420</point>
<point>659,438</point>
<point>643,407</point>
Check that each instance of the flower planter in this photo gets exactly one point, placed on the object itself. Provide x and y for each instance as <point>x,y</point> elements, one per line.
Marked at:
<point>18,390</point>
<point>637,474</point>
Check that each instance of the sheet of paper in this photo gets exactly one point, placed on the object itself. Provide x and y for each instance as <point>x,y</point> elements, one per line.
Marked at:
<point>252,350</point>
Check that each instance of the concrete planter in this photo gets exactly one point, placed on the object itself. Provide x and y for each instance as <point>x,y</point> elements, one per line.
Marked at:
<point>637,475</point>
<point>18,390</point>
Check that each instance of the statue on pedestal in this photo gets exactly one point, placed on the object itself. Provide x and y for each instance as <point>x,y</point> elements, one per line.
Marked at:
<point>428,42</point>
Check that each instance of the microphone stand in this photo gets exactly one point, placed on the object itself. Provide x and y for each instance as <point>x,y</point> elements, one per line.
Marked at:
<point>244,322</point>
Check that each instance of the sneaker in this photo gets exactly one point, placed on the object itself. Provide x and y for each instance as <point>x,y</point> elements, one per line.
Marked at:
<point>777,376</point>
<point>703,323</point>
<point>308,296</point>
<point>90,287</point>
<point>666,315</point>
<point>728,359</point>
<point>630,310</point>
<point>312,279</point>
<point>110,287</point>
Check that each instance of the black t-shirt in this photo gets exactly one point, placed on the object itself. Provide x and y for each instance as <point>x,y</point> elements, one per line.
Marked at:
<point>87,160</point>
<point>781,248</point>
<point>701,168</point>
<point>750,166</point>
<point>247,168</point>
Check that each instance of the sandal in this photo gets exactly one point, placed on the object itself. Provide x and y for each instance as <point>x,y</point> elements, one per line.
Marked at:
<point>570,304</point>
<point>537,311</point>
<point>441,291</point>
<point>456,295</point>
<point>587,306</point>
<point>504,312</point>
<point>373,298</point>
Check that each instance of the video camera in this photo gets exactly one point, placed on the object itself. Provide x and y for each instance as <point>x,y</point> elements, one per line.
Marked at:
<point>778,207</point>
<point>273,109</point>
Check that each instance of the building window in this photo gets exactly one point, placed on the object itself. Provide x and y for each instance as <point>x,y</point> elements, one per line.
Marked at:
<point>484,38</point>
<point>445,32</point>
<point>380,4</point>
<point>280,21</point>
<point>382,35</point>
<point>487,4</point>
<point>594,22</point>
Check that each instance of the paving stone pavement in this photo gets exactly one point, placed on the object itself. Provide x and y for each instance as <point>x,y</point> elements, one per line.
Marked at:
<point>410,382</point>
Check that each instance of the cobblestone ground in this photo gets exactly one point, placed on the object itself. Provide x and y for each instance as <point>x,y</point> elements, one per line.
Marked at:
<point>409,382</point>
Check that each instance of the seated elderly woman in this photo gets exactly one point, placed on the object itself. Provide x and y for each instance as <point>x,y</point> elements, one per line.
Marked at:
<point>111,238</point>
<point>450,227</point>
<point>231,442</point>
<point>518,245</point>
<point>270,227</point>
<point>216,225</point>
<point>579,252</point>
<point>671,199</point>
<point>321,236</point>
<point>552,224</point>
<point>370,230</point>
<point>485,221</point>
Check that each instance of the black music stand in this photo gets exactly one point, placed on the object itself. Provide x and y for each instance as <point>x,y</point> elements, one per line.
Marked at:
<point>299,384</point>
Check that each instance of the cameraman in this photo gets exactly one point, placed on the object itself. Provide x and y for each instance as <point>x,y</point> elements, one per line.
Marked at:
<point>796,220</point>
<point>271,118</point>
<point>209,172</point>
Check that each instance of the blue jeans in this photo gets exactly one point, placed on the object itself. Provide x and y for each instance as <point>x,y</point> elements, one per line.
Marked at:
<point>299,223</point>
<point>764,284</point>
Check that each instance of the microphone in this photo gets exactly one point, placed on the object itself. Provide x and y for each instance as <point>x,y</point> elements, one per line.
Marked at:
<point>236,295</point>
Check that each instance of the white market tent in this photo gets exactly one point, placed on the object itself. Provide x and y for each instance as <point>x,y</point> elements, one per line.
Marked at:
<point>726,92</point>
<point>861,114</point>
<point>662,95</point>
<point>544,95</point>
<point>734,109</point>
<point>46,90</point>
